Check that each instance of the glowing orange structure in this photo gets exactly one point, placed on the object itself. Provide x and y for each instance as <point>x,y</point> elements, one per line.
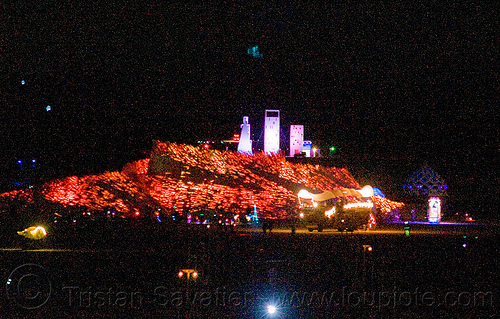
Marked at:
<point>188,178</point>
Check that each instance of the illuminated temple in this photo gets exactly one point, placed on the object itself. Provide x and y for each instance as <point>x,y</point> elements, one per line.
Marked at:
<point>189,178</point>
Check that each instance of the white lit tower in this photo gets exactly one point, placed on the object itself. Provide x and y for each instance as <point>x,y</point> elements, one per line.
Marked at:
<point>296,139</point>
<point>272,132</point>
<point>245,143</point>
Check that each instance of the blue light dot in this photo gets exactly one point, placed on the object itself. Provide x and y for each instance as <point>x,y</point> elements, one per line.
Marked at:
<point>23,82</point>
<point>48,108</point>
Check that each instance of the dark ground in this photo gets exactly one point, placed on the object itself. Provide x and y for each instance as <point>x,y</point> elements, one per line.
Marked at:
<point>305,275</point>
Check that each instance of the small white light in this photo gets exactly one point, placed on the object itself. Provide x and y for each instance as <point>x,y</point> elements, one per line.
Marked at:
<point>271,309</point>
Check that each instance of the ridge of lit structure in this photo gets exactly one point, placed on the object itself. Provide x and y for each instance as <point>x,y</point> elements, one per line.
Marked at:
<point>181,177</point>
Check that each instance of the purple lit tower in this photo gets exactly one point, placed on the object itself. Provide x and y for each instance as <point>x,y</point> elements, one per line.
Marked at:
<point>296,139</point>
<point>245,143</point>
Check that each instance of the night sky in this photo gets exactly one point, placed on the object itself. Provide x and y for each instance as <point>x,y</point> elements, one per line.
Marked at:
<point>392,86</point>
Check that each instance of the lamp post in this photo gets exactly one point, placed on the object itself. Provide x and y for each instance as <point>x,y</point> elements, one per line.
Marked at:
<point>189,272</point>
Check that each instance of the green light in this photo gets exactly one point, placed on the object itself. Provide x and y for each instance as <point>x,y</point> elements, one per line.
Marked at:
<point>332,148</point>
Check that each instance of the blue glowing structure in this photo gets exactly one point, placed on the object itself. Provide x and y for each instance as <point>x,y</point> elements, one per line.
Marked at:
<point>307,148</point>
<point>48,108</point>
<point>426,182</point>
<point>253,217</point>
<point>378,192</point>
<point>23,82</point>
<point>254,51</point>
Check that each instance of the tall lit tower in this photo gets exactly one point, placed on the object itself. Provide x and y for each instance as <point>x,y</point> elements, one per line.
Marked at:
<point>296,139</point>
<point>272,132</point>
<point>245,143</point>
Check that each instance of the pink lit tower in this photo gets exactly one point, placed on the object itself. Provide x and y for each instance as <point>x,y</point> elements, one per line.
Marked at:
<point>296,139</point>
<point>272,132</point>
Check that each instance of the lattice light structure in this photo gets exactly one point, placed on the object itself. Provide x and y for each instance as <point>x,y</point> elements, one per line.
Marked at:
<point>426,182</point>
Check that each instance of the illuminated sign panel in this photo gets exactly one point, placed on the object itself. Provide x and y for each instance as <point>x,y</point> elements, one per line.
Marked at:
<point>434,210</point>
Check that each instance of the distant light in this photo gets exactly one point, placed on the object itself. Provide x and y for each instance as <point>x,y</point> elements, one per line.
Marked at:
<point>48,108</point>
<point>332,149</point>
<point>195,274</point>
<point>254,51</point>
<point>464,245</point>
<point>180,274</point>
<point>137,213</point>
<point>23,82</point>
<point>33,160</point>
<point>20,162</point>
<point>271,309</point>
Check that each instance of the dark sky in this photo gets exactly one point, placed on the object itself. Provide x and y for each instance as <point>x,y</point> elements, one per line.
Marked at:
<point>393,86</point>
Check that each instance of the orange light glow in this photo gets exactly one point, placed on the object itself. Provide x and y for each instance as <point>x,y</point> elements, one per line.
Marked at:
<point>358,205</point>
<point>329,213</point>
